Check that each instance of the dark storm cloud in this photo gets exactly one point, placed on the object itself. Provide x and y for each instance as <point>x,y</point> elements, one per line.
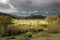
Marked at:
<point>3,6</point>
<point>36,5</point>
<point>31,6</point>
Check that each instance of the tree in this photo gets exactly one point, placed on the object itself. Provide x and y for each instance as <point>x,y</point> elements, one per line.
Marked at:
<point>58,18</point>
<point>4,22</point>
<point>49,19</point>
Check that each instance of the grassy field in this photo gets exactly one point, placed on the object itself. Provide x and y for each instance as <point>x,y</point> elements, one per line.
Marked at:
<point>34,29</point>
<point>37,36</point>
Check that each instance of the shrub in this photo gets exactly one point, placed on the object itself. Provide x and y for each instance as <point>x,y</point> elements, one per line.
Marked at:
<point>32,30</point>
<point>28,34</point>
<point>11,30</point>
<point>37,30</point>
<point>24,38</point>
<point>44,25</point>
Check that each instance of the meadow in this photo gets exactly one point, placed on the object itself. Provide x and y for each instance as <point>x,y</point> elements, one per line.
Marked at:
<point>31,29</point>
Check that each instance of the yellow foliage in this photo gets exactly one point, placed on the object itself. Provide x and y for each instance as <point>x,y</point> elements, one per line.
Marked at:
<point>4,19</point>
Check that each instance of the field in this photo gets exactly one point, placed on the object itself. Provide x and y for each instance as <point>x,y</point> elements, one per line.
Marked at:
<point>32,29</point>
<point>29,21</point>
<point>37,36</point>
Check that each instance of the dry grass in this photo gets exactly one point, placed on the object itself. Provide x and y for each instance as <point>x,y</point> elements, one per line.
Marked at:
<point>55,27</point>
<point>38,36</point>
<point>45,36</point>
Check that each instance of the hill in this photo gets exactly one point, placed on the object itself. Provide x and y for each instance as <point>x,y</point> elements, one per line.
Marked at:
<point>21,17</point>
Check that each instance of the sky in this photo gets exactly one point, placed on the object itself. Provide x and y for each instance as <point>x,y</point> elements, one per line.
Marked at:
<point>28,7</point>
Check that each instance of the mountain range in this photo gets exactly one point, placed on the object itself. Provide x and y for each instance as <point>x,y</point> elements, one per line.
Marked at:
<point>27,17</point>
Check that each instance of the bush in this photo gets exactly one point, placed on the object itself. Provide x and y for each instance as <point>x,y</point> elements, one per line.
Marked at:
<point>23,38</point>
<point>44,25</point>
<point>28,34</point>
<point>37,30</point>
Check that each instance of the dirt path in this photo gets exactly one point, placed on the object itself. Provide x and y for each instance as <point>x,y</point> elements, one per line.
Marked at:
<point>45,36</point>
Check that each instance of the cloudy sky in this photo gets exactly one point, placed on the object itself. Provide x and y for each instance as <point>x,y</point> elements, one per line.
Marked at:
<point>27,7</point>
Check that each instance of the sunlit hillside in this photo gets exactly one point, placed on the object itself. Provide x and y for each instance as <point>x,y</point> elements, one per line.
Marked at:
<point>29,21</point>
<point>28,24</point>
